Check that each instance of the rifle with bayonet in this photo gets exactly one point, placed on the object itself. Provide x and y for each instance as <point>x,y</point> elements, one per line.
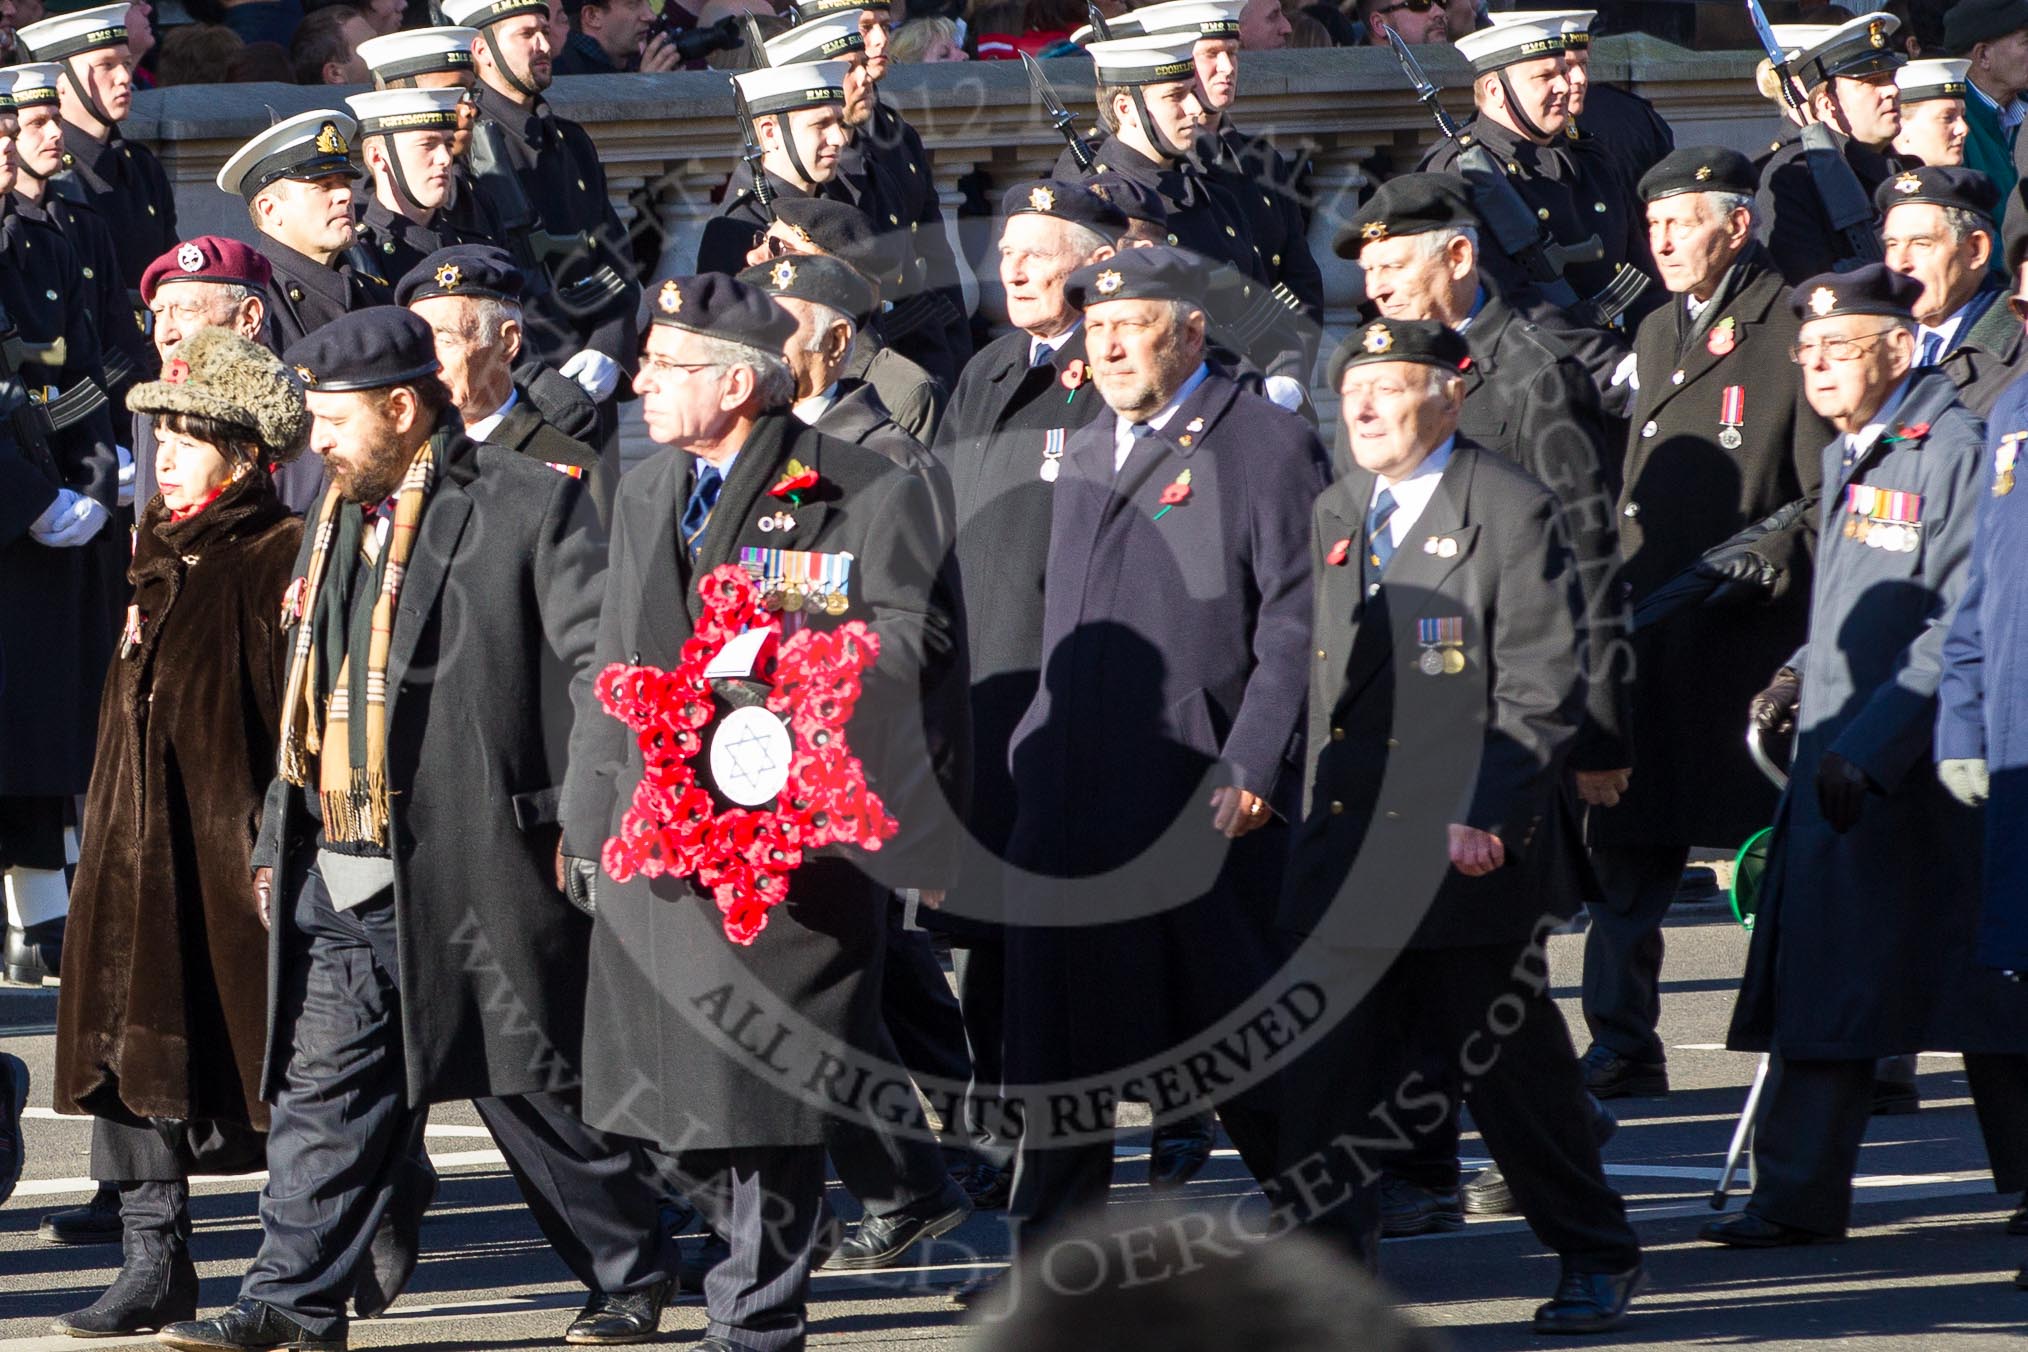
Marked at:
<point>1516,230</point>
<point>1059,115</point>
<point>1845,202</point>
<point>750,147</point>
<point>28,417</point>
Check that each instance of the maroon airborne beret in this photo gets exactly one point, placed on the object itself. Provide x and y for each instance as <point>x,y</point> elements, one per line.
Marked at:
<point>208,258</point>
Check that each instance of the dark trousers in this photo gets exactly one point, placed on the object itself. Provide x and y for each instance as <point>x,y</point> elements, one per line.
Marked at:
<point>1352,1098</point>
<point>341,1131</point>
<point>923,1017</point>
<point>768,1201</point>
<point>1623,946</point>
<point>1813,1118</point>
<point>981,969</point>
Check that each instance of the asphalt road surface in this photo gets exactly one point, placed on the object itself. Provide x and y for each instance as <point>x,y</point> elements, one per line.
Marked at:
<point>1927,1265</point>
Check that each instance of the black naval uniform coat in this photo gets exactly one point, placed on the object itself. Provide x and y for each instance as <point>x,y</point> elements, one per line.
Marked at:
<point>126,354</point>
<point>654,1065</point>
<point>561,175</point>
<point>1173,662</point>
<point>1989,354</point>
<point>58,607</point>
<point>1793,224</point>
<point>993,441</point>
<point>1262,182</point>
<point>507,571</point>
<point>1865,943</point>
<point>1686,492</point>
<point>396,244</point>
<point>890,142</point>
<point>126,185</point>
<point>305,295</point>
<point>1204,217</point>
<point>1583,194</point>
<point>1626,129</point>
<point>1527,398</point>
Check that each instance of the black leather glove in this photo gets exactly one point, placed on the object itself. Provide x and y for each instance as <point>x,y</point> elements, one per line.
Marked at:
<point>580,876</point>
<point>1744,578</point>
<point>1773,710</point>
<point>1841,791</point>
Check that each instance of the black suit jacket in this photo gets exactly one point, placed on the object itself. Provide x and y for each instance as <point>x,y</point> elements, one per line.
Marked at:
<point>1400,747</point>
<point>655,1068</point>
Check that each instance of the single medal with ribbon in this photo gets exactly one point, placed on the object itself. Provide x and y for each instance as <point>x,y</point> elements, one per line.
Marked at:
<point>1731,416</point>
<point>2004,456</point>
<point>1443,642</point>
<point>1052,454</point>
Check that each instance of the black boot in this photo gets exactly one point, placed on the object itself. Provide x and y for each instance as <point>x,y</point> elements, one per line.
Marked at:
<point>96,1222</point>
<point>157,1284</point>
<point>35,952</point>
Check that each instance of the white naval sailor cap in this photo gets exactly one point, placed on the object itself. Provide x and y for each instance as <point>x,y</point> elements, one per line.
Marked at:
<point>1856,48</point>
<point>7,92</point>
<point>1794,37</point>
<point>1528,38</point>
<point>33,83</point>
<point>1917,81</point>
<point>418,51</point>
<point>68,34</point>
<point>1156,58</point>
<point>830,39</point>
<point>311,145</point>
<point>781,89</point>
<point>385,111</point>
<point>1574,23</point>
<point>1203,18</point>
<point>482,13</point>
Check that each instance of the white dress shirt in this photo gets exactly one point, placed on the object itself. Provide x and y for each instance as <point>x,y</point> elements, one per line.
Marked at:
<point>817,405</point>
<point>1038,346</point>
<point>1858,443</point>
<point>481,428</point>
<point>1412,494</point>
<point>1123,431</point>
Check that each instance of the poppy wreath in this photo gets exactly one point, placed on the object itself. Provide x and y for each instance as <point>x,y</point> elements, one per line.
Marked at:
<point>675,826</point>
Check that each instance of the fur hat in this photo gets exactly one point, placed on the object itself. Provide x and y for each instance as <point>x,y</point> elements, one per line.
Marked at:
<point>219,375</point>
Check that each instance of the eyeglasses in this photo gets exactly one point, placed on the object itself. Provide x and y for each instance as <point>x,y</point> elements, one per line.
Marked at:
<point>777,246</point>
<point>1412,6</point>
<point>657,366</point>
<point>1836,349</point>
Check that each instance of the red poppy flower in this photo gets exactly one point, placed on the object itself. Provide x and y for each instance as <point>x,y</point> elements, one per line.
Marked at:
<point>1074,374</point>
<point>176,370</point>
<point>1339,553</point>
<point>794,483</point>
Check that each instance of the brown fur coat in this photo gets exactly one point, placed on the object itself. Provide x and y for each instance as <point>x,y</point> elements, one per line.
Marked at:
<point>163,1011</point>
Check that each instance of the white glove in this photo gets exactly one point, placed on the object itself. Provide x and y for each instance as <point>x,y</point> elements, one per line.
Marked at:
<point>596,373</point>
<point>71,520</point>
<point>1965,780</point>
<point>126,476</point>
<point>1286,392</point>
<point>1627,373</point>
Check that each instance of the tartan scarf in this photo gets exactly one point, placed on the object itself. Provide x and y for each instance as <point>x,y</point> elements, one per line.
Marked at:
<point>335,706</point>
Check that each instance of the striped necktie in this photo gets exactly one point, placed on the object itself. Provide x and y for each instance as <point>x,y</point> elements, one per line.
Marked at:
<point>697,512</point>
<point>1379,539</point>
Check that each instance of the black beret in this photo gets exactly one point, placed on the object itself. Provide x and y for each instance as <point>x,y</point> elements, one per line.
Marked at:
<point>843,232</point>
<point>1410,204</point>
<point>1974,21</point>
<point>1940,185</point>
<point>482,271</point>
<point>719,306</point>
<point>368,349</point>
<point>815,277</point>
<point>1159,272</point>
<point>1874,289</point>
<point>1699,169</point>
<point>1417,340</point>
<point>1073,202</point>
<point>1136,201</point>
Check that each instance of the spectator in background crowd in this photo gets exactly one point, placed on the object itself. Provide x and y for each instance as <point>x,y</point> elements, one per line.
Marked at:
<point>1466,16</point>
<point>1922,27</point>
<point>195,53</point>
<point>922,41</point>
<point>254,20</point>
<point>261,63</point>
<point>1306,30</point>
<point>326,47</point>
<point>385,16</point>
<point>736,58</point>
<point>1418,21</point>
<point>141,41</point>
<point>609,37</point>
<point>1263,26</point>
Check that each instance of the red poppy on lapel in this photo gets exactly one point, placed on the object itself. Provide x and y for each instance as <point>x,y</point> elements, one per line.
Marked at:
<point>1175,494</point>
<point>1339,553</point>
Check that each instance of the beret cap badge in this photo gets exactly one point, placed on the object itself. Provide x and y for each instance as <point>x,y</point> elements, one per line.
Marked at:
<point>1703,173</point>
<point>1908,183</point>
<point>670,301</point>
<point>448,276</point>
<point>190,258</point>
<point>1378,339</point>
<point>1109,281</point>
<point>1823,300</point>
<point>782,274</point>
<point>1373,230</point>
<point>306,375</point>
<point>1041,199</point>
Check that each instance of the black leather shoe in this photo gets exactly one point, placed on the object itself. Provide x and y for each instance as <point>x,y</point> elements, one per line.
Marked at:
<point>35,952</point>
<point>249,1324</point>
<point>13,1137</point>
<point>699,1259</point>
<point>2017,1224</point>
<point>1180,1150</point>
<point>1896,1098</point>
<point>1407,1210</point>
<point>630,1317</point>
<point>2021,1279</point>
<point>882,1241</point>
<point>1589,1302</point>
<point>989,1186</point>
<point>1609,1075</point>
<point>1486,1194</point>
<point>1748,1231</point>
<point>391,1257</point>
<point>148,1294</point>
<point>96,1222</point>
